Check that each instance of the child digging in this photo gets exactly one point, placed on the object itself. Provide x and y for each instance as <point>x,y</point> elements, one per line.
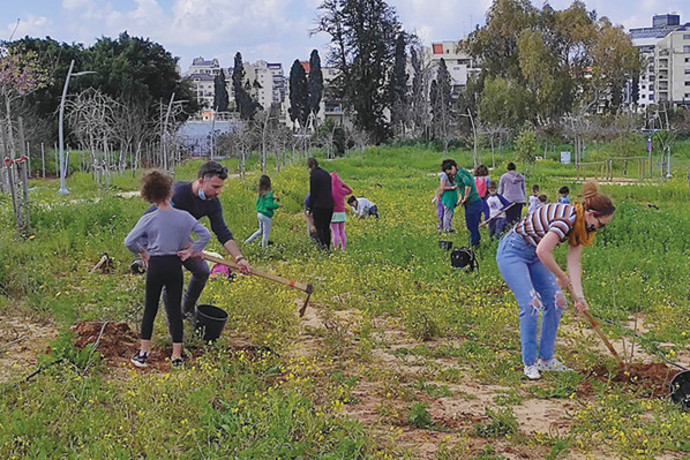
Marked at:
<point>162,239</point>
<point>265,207</point>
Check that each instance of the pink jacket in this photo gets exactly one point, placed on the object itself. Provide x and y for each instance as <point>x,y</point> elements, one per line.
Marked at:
<point>340,190</point>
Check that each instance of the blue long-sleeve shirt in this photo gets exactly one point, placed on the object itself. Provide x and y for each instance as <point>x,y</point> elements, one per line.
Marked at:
<point>165,232</point>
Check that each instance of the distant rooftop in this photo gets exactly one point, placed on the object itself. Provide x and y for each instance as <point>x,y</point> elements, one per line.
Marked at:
<point>662,25</point>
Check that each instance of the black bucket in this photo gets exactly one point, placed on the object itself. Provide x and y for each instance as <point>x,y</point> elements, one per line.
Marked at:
<point>210,321</point>
<point>447,245</point>
<point>680,389</point>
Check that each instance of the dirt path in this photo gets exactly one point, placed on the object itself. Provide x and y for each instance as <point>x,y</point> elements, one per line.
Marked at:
<point>21,341</point>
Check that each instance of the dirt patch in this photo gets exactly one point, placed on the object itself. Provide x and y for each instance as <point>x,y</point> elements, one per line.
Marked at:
<point>21,341</point>
<point>653,378</point>
<point>118,339</point>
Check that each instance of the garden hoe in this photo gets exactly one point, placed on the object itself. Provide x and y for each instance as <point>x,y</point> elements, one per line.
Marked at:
<point>595,325</point>
<point>308,288</point>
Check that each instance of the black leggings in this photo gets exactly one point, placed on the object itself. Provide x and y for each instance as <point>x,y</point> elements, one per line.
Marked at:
<point>322,223</point>
<point>163,271</point>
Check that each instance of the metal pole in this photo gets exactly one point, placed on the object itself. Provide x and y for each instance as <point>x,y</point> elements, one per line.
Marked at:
<point>63,187</point>
<point>668,173</point>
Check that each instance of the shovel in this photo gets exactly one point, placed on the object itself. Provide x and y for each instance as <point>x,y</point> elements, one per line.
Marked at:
<point>308,288</point>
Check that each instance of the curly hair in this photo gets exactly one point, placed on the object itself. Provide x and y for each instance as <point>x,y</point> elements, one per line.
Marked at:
<point>156,186</point>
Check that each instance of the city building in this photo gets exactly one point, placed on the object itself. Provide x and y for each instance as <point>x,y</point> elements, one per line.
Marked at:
<point>460,65</point>
<point>665,50</point>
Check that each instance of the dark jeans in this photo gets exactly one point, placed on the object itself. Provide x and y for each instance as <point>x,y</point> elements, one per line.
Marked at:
<point>322,222</point>
<point>200,273</point>
<point>374,211</point>
<point>473,213</point>
<point>513,214</point>
<point>163,271</point>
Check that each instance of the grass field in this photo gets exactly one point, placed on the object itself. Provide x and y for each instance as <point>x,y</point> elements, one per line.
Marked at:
<point>398,356</point>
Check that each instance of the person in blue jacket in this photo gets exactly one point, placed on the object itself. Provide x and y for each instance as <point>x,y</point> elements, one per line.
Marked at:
<point>495,205</point>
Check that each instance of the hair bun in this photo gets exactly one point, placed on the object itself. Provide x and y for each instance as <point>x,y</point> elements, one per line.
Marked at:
<point>590,190</point>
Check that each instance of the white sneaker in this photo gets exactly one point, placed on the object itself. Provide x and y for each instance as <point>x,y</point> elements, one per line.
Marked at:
<point>552,365</point>
<point>532,372</point>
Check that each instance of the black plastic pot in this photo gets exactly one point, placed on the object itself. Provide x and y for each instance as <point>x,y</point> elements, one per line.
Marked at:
<point>680,389</point>
<point>447,245</point>
<point>210,321</point>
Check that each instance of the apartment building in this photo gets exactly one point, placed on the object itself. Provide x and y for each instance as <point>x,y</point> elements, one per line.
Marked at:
<point>460,65</point>
<point>665,50</point>
<point>266,80</point>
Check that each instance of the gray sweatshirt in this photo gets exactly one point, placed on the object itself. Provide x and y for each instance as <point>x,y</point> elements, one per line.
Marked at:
<point>512,187</point>
<point>163,233</point>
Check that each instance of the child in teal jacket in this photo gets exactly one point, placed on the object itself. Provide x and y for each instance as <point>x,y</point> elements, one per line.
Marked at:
<point>265,207</point>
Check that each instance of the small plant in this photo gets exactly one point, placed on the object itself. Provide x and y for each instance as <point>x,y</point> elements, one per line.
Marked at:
<point>420,416</point>
<point>502,422</point>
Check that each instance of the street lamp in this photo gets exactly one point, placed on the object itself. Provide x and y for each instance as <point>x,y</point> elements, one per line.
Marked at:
<point>63,168</point>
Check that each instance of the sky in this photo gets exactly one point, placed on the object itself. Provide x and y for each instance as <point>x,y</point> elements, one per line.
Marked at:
<point>272,30</point>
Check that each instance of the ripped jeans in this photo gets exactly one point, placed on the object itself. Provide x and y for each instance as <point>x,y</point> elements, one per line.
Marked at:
<point>536,291</point>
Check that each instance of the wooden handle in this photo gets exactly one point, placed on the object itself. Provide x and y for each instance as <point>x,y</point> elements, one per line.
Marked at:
<point>595,326</point>
<point>483,224</point>
<point>308,288</point>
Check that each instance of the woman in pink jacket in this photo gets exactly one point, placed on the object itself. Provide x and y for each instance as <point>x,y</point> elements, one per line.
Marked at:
<point>339,190</point>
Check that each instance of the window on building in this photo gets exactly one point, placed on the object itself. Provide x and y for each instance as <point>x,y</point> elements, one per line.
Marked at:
<point>643,96</point>
<point>438,48</point>
<point>651,97</point>
<point>644,86</point>
<point>686,48</point>
<point>687,71</point>
<point>686,36</point>
<point>687,83</point>
<point>651,88</point>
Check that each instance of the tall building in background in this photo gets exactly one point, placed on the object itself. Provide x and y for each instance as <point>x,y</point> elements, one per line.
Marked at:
<point>665,50</point>
<point>460,65</point>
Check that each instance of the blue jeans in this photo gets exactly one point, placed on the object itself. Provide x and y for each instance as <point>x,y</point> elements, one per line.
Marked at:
<point>264,230</point>
<point>536,291</point>
<point>473,214</point>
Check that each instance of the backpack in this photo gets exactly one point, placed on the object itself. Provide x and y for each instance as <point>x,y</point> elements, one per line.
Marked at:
<point>464,257</point>
<point>480,183</point>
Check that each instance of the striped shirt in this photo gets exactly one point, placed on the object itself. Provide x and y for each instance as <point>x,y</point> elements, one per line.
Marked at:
<point>555,217</point>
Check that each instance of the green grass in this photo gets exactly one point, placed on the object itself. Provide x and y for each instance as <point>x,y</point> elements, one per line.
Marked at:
<point>291,406</point>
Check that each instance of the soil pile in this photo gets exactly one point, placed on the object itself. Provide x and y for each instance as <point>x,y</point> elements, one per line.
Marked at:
<point>118,339</point>
<point>653,378</point>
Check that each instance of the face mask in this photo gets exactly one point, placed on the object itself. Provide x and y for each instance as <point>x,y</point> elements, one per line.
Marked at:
<point>202,195</point>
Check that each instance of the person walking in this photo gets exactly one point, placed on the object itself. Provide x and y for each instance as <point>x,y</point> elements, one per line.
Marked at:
<point>320,202</point>
<point>200,199</point>
<point>162,239</point>
<point>265,207</point>
<point>526,261</point>
<point>339,190</point>
<point>512,187</point>
<point>449,194</point>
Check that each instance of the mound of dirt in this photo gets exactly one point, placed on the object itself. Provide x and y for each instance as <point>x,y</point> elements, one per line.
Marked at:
<point>118,339</point>
<point>654,378</point>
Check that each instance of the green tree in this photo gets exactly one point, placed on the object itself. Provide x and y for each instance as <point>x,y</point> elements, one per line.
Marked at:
<point>314,84</point>
<point>299,96</point>
<point>526,146</point>
<point>363,35</point>
<point>243,100</point>
<point>221,100</point>
<point>441,99</point>
<point>398,87</point>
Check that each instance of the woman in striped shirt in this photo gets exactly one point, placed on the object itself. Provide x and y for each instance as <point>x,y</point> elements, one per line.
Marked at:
<point>526,261</point>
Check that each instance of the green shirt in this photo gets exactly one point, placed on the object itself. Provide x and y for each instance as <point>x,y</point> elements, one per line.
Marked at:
<point>265,204</point>
<point>465,179</point>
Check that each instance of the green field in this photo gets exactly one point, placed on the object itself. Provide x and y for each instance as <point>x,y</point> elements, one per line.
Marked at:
<point>399,355</point>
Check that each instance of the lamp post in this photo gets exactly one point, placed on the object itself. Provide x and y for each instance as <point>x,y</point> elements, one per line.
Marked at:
<point>63,168</point>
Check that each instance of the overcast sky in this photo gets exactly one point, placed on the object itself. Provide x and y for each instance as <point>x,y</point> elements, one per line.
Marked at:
<point>273,30</point>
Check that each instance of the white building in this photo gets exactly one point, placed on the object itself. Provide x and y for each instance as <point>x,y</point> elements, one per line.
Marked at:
<point>665,50</point>
<point>460,65</point>
<point>266,81</point>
